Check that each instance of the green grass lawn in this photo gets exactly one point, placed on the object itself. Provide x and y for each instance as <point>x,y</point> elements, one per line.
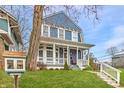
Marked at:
<point>61,79</point>
<point>5,80</point>
<point>122,77</point>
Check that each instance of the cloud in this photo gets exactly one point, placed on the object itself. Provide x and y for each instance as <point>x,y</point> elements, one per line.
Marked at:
<point>117,38</point>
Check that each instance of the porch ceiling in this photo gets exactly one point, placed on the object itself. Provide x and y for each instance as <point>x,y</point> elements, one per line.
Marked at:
<point>64,42</point>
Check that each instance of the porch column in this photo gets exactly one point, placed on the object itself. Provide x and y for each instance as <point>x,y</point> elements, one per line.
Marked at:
<point>54,54</point>
<point>88,58</point>
<point>44,54</point>
<point>77,55</point>
<point>68,57</point>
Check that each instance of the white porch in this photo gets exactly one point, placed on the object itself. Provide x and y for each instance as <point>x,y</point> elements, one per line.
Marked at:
<point>55,55</point>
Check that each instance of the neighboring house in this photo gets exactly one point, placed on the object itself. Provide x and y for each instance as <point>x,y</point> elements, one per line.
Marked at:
<point>62,41</point>
<point>118,60</point>
<point>10,41</point>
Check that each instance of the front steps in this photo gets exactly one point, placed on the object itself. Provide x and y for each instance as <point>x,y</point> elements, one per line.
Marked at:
<point>74,67</point>
<point>107,79</point>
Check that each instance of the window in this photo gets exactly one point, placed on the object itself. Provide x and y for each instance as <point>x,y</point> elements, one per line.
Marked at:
<point>19,64</point>
<point>79,54</point>
<point>4,24</point>
<point>53,32</point>
<point>49,47</point>
<point>10,64</point>
<point>6,47</point>
<point>40,53</point>
<point>61,33</point>
<point>56,52</point>
<point>61,52</point>
<point>68,35</point>
<point>79,37</point>
<point>45,30</point>
<point>75,36</point>
<point>49,53</point>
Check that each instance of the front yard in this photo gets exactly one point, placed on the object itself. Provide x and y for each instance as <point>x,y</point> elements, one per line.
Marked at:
<point>61,79</point>
<point>55,79</point>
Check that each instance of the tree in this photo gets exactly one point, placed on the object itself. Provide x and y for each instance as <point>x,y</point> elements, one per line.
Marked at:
<point>112,50</point>
<point>35,37</point>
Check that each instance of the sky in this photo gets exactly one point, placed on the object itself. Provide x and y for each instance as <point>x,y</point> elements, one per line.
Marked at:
<point>108,33</point>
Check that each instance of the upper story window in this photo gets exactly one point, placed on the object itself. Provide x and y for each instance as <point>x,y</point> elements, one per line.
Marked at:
<point>75,36</point>
<point>53,32</point>
<point>45,30</point>
<point>68,35</point>
<point>61,33</point>
<point>3,24</point>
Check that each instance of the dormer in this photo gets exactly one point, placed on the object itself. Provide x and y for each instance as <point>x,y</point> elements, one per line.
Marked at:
<point>60,26</point>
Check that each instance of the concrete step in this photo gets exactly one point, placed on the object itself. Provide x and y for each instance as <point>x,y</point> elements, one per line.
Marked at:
<point>107,79</point>
<point>74,67</point>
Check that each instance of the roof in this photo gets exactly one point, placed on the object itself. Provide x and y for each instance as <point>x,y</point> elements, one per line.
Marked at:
<point>13,22</point>
<point>6,38</point>
<point>14,54</point>
<point>62,20</point>
<point>65,42</point>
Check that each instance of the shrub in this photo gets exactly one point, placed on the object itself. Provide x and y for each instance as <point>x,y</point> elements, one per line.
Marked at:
<point>92,64</point>
<point>66,67</point>
<point>61,68</point>
<point>51,69</point>
<point>88,68</point>
<point>56,69</point>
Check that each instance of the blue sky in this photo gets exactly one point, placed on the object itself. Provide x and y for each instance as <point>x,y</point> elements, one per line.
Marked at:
<point>109,32</point>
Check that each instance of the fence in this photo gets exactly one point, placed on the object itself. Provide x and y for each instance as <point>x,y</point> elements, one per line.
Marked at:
<point>110,71</point>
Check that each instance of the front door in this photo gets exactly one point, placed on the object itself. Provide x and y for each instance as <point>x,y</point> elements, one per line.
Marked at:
<point>73,56</point>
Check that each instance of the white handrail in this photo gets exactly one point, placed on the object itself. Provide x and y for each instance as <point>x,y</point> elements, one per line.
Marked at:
<point>110,71</point>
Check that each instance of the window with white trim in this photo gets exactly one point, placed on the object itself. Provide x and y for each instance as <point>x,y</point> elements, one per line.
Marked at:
<point>61,33</point>
<point>19,64</point>
<point>49,51</point>
<point>40,53</point>
<point>68,35</point>
<point>10,64</point>
<point>45,30</point>
<point>75,36</point>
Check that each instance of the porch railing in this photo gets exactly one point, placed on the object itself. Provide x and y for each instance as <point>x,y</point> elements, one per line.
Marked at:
<point>110,71</point>
<point>82,62</point>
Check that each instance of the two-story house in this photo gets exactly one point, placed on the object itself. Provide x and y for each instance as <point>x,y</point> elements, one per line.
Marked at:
<point>10,42</point>
<point>62,41</point>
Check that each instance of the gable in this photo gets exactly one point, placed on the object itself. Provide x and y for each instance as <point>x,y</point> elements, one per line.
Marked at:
<point>62,20</point>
